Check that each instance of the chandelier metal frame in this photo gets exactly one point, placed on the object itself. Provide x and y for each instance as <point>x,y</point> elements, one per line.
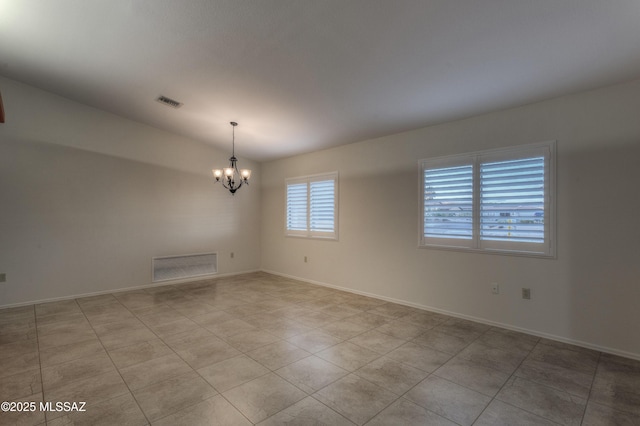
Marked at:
<point>231,177</point>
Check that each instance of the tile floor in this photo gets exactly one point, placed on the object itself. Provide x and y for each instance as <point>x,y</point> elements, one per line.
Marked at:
<point>262,349</point>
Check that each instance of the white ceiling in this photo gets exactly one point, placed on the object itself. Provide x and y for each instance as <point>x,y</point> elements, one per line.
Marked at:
<point>302,75</point>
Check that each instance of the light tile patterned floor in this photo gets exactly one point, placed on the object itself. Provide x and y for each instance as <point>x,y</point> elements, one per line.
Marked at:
<point>262,349</point>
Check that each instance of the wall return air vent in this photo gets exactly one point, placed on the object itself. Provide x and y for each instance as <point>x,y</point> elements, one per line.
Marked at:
<point>169,102</point>
<point>185,266</point>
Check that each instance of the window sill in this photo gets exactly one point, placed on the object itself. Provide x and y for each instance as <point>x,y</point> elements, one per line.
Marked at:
<point>312,237</point>
<point>538,255</point>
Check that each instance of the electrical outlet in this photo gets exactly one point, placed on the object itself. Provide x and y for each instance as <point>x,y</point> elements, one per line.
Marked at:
<point>232,255</point>
<point>3,277</point>
<point>305,259</point>
<point>526,293</point>
<point>495,288</point>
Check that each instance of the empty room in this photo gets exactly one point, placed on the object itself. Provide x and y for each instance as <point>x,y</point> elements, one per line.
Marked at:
<point>232,212</point>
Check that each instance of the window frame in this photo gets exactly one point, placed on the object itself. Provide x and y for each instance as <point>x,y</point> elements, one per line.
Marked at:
<point>308,232</point>
<point>476,243</point>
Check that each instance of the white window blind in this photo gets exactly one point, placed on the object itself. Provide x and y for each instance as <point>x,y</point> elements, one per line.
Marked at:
<point>297,207</point>
<point>311,209</point>
<point>448,202</point>
<point>498,200</point>
<point>322,206</point>
<point>512,200</point>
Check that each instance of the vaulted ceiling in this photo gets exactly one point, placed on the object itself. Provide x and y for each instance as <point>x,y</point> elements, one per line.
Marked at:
<point>303,75</point>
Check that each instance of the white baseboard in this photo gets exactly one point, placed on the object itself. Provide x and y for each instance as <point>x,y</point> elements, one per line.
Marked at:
<point>562,339</point>
<point>536,333</point>
<point>120,290</point>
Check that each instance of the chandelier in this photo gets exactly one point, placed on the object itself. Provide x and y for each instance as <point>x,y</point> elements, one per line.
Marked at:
<point>232,178</point>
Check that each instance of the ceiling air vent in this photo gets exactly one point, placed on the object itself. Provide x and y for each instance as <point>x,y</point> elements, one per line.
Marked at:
<point>169,102</point>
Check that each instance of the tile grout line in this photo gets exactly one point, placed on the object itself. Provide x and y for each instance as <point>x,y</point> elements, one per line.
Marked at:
<point>398,397</point>
<point>176,353</point>
<point>311,395</point>
<point>111,359</point>
<point>35,318</point>
<point>308,303</point>
<point>432,373</point>
<point>80,308</point>
<point>493,398</point>
<point>193,369</point>
<point>185,361</point>
<point>593,380</point>
<point>539,342</point>
<point>271,371</point>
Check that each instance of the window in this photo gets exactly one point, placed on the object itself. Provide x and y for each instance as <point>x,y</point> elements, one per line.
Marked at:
<point>312,206</point>
<point>494,201</point>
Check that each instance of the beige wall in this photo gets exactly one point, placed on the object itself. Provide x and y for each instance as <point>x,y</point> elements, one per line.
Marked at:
<point>88,198</point>
<point>589,295</point>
